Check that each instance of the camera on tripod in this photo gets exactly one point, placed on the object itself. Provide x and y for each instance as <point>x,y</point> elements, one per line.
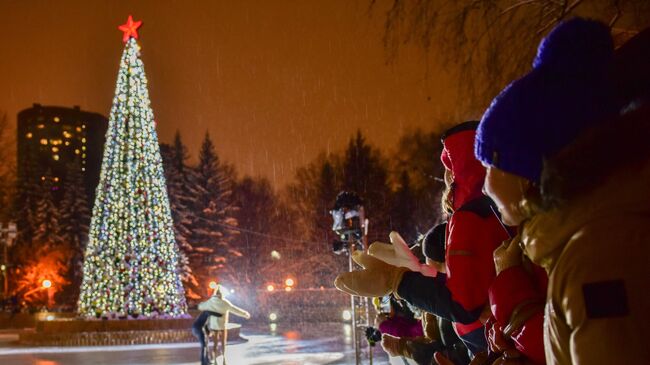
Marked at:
<point>348,221</point>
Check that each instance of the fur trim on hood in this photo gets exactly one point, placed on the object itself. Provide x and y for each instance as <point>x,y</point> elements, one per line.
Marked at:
<point>596,155</point>
<point>606,173</point>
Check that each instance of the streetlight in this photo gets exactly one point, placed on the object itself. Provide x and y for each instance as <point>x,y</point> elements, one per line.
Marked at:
<point>270,288</point>
<point>289,282</point>
<point>47,285</point>
<point>212,287</point>
<point>347,315</point>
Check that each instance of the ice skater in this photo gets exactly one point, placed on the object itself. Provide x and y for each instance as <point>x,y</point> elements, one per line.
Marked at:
<point>219,324</point>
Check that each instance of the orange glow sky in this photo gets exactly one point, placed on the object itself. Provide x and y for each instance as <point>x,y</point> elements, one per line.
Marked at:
<point>274,82</point>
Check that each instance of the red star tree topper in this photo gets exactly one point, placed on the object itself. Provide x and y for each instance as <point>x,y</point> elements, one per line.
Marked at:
<point>130,29</point>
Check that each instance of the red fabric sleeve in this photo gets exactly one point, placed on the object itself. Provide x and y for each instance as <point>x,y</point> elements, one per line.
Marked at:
<point>511,288</point>
<point>470,267</point>
<point>529,340</point>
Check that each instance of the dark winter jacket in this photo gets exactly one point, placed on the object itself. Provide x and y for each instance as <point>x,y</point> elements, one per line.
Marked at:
<point>473,233</point>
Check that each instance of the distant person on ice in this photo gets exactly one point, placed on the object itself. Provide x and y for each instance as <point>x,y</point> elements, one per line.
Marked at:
<point>218,304</point>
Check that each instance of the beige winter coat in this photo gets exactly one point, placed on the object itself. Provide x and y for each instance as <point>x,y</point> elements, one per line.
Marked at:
<point>596,249</point>
<point>223,306</point>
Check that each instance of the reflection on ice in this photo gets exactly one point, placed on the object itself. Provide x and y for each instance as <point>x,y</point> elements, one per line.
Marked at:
<point>267,343</point>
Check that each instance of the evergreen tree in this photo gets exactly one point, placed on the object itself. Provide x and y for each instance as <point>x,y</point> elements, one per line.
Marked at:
<point>131,263</point>
<point>212,237</point>
<point>24,204</point>
<point>75,221</point>
<point>258,218</point>
<point>307,203</point>
<point>47,220</point>
<point>24,210</point>
<point>180,187</point>
<point>365,172</point>
<point>403,210</point>
<point>418,156</point>
<point>329,185</point>
<point>46,255</point>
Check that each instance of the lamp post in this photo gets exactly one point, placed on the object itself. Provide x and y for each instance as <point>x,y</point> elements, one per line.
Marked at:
<point>47,285</point>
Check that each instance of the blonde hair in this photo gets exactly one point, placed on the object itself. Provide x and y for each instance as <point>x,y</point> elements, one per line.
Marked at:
<point>447,199</point>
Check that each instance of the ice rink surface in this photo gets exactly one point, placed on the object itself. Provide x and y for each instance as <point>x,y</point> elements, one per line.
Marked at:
<point>295,344</point>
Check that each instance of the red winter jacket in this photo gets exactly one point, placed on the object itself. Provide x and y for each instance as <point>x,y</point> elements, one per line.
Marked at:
<point>473,233</point>
<point>517,299</point>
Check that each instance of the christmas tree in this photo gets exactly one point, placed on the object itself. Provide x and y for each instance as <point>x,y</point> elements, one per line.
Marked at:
<point>131,263</point>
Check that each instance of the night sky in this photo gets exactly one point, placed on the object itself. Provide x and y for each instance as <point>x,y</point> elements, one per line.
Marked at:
<point>274,82</point>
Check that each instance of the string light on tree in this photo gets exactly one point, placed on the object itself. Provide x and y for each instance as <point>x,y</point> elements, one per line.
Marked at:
<point>131,262</point>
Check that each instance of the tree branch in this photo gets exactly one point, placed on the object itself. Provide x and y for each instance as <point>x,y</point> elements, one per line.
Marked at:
<point>565,11</point>
<point>617,15</point>
<point>517,5</point>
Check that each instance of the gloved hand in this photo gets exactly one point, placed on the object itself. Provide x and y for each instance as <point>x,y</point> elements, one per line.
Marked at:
<point>375,280</point>
<point>398,254</point>
<point>393,346</point>
<point>507,255</point>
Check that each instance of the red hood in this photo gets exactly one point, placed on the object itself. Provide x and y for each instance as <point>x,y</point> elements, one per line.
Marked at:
<point>458,156</point>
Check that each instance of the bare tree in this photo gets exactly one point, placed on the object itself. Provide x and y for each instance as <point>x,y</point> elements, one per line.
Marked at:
<point>490,42</point>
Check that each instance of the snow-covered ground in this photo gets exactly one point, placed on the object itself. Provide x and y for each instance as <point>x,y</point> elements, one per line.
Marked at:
<point>297,344</point>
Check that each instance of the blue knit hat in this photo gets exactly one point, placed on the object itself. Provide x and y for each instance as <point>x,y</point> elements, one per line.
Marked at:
<point>568,90</point>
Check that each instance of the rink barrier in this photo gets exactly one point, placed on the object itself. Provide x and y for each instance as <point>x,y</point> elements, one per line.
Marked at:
<point>80,332</point>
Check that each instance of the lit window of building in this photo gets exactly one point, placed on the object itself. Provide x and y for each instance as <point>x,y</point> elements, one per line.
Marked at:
<point>83,140</point>
<point>83,155</point>
<point>47,138</point>
<point>83,148</point>
<point>83,169</point>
